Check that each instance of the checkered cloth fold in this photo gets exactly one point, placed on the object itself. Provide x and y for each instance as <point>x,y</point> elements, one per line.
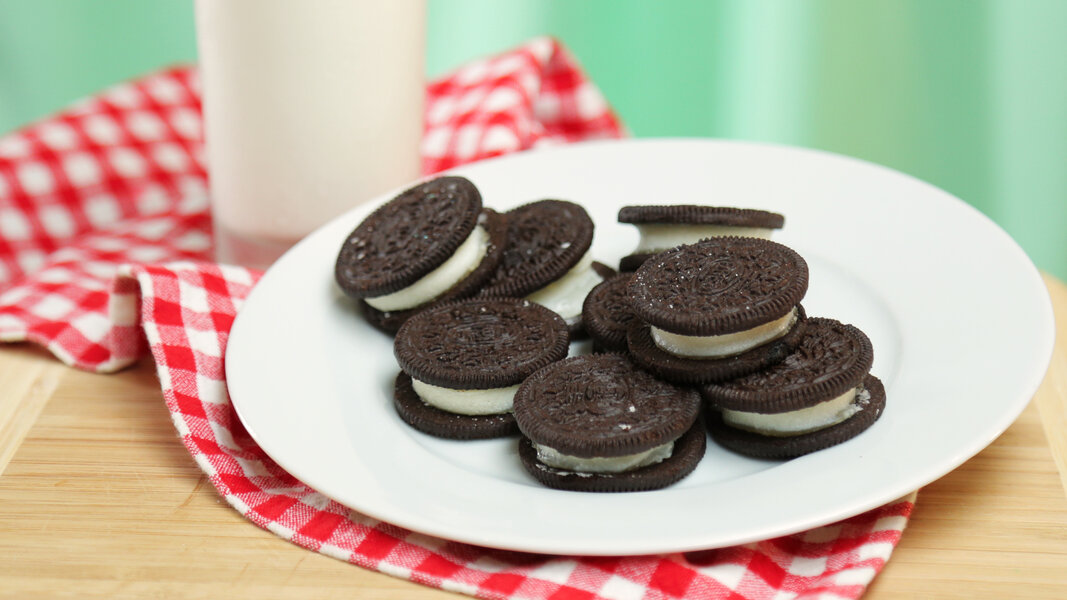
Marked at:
<point>105,256</point>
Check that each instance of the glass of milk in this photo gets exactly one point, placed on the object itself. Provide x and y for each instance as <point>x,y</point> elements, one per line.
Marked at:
<point>310,108</point>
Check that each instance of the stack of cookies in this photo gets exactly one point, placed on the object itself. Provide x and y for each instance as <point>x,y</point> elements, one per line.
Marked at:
<point>705,318</point>
<point>717,309</point>
<point>724,314</point>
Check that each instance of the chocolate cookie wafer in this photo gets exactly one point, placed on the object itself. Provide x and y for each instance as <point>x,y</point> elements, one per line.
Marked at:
<point>717,309</point>
<point>577,327</point>
<point>597,423</point>
<point>665,227</point>
<point>821,395</point>
<point>607,315</point>
<point>463,361</point>
<point>432,242</point>
<point>546,259</point>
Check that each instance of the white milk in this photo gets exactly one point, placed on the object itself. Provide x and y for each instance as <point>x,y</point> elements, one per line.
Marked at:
<point>311,107</point>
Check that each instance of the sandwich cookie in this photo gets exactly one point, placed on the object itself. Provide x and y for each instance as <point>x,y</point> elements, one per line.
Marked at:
<point>717,309</point>
<point>463,361</point>
<point>434,242</point>
<point>819,396</point>
<point>664,227</point>
<point>596,423</point>
<point>607,315</point>
<point>577,329</point>
<point>546,259</point>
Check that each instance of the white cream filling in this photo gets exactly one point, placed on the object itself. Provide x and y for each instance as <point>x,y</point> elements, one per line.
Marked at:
<point>657,237</point>
<point>729,344</point>
<point>805,420</point>
<point>464,260</point>
<point>565,295</point>
<point>615,464</point>
<point>466,402</point>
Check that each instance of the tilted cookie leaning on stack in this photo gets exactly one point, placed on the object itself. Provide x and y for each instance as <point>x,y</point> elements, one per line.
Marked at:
<point>547,259</point>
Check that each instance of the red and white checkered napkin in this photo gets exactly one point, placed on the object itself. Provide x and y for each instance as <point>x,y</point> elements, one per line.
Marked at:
<point>104,241</point>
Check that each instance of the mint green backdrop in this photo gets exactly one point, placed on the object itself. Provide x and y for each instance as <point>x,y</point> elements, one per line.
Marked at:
<point>969,95</point>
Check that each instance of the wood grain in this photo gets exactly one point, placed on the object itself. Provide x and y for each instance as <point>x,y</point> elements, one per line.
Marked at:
<point>1051,399</point>
<point>100,499</point>
<point>28,381</point>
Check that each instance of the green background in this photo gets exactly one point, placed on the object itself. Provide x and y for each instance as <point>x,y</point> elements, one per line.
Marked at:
<point>970,95</point>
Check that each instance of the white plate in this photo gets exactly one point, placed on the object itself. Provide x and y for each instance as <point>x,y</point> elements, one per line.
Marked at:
<point>961,324</point>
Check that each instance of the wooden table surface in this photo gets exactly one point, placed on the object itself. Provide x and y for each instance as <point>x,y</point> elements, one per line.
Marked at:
<point>98,497</point>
